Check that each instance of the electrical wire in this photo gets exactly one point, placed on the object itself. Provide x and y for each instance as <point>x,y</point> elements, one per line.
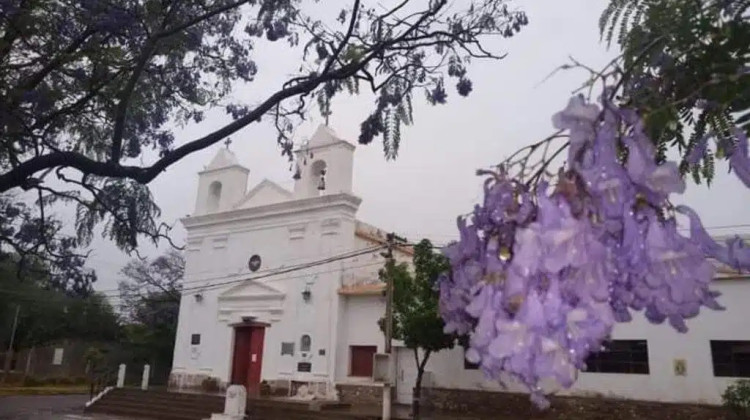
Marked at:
<point>29,296</point>
<point>348,254</point>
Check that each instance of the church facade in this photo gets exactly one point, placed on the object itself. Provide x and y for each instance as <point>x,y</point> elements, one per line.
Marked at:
<point>280,286</point>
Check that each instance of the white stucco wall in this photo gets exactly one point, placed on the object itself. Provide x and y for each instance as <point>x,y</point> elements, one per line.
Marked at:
<point>664,346</point>
<point>359,328</point>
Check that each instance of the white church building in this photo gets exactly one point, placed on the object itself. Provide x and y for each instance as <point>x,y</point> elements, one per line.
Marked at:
<point>250,310</point>
<point>281,287</point>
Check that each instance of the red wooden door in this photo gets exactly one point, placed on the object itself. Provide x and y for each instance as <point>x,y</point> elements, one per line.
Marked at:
<point>248,357</point>
<point>361,362</point>
<point>257,335</point>
<point>241,358</point>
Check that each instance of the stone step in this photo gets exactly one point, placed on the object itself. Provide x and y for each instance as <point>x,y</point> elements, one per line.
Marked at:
<point>150,409</point>
<point>215,405</point>
<point>141,414</point>
<point>160,404</point>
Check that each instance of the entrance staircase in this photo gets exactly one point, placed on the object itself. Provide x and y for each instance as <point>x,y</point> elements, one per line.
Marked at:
<point>164,405</point>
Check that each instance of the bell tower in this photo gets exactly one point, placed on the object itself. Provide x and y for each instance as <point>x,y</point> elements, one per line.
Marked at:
<point>325,165</point>
<point>222,184</point>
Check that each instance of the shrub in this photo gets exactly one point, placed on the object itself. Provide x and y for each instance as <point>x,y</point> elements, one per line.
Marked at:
<point>32,381</point>
<point>64,381</point>
<point>265,389</point>
<point>210,385</point>
<point>736,398</point>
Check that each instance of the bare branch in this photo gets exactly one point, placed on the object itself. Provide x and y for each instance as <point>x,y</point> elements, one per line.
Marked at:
<point>198,19</point>
<point>342,44</point>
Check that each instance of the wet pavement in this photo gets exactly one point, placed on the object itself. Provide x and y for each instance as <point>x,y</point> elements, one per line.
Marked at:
<point>43,407</point>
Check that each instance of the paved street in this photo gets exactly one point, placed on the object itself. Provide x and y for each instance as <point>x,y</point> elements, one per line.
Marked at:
<point>45,407</point>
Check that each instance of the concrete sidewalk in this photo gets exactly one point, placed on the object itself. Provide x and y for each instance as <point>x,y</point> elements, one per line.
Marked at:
<point>403,412</point>
<point>40,407</point>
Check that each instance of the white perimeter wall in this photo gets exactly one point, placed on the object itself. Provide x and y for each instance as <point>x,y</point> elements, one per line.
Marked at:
<point>664,346</point>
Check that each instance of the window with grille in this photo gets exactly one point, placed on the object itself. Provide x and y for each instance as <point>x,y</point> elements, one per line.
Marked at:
<point>287,348</point>
<point>620,356</point>
<point>731,358</point>
<point>305,343</point>
<point>195,339</point>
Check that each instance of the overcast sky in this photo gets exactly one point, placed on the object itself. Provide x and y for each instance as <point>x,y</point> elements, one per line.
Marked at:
<point>432,181</point>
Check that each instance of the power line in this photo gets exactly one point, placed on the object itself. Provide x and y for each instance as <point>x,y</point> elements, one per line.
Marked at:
<point>313,264</point>
<point>347,254</point>
<point>28,296</point>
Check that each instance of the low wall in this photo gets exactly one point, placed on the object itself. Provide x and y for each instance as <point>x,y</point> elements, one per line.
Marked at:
<point>195,382</point>
<point>360,394</point>
<point>515,405</point>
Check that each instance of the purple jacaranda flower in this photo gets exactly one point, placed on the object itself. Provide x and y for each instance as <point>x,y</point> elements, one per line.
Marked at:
<point>656,181</point>
<point>739,161</point>
<point>579,118</point>
<point>673,279</point>
<point>698,151</point>
<point>468,245</point>
<point>606,179</point>
<point>735,254</point>
<point>539,278</point>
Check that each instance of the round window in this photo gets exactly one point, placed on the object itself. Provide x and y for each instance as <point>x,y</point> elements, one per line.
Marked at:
<point>254,263</point>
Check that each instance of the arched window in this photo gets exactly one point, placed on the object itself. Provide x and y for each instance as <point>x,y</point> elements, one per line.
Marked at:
<point>214,195</point>
<point>305,343</point>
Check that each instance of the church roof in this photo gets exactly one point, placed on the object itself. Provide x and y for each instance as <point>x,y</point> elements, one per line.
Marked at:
<point>266,192</point>
<point>325,136</point>
<point>377,236</point>
<point>224,158</point>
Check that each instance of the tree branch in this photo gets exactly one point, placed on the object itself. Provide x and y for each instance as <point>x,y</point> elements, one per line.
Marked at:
<point>18,176</point>
<point>199,19</point>
<point>345,40</point>
<point>124,99</point>
<point>55,62</point>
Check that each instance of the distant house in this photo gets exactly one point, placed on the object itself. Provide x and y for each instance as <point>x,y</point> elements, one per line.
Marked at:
<point>250,314</point>
<point>646,361</point>
<point>63,359</point>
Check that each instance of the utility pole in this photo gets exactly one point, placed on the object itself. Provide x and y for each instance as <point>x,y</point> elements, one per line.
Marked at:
<point>392,238</point>
<point>9,353</point>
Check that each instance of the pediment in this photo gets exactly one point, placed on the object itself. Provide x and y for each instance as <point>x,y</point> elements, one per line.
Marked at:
<point>252,290</point>
<point>265,193</point>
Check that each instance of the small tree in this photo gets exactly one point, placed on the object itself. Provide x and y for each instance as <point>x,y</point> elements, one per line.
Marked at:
<point>416,319</point>
<point>151,305</point>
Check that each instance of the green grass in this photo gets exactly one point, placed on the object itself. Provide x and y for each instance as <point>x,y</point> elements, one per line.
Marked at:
<point>43,390</point>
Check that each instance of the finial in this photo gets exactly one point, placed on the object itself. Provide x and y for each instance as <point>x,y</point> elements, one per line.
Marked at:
<point>227,142</point>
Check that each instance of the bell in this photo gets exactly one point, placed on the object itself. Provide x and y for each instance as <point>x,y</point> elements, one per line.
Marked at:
<point>322,183</point>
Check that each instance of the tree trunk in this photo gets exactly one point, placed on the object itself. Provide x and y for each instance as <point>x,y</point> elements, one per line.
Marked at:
<point>417,392</point>
<point>29,355</point>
